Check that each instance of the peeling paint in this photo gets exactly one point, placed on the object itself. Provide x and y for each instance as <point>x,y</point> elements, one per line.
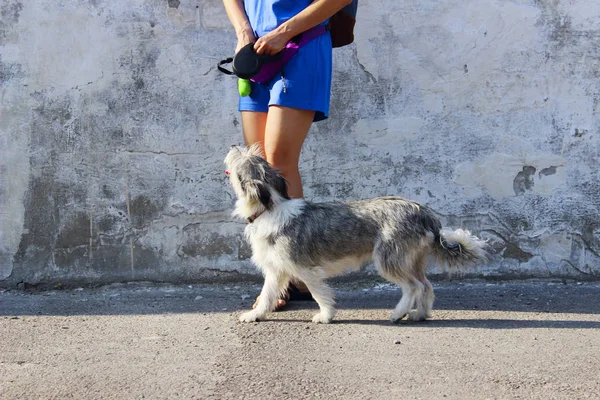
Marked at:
<point>548,171</point>
<point>512,251</point>
<point>505,175</point>
<point>524,180</point>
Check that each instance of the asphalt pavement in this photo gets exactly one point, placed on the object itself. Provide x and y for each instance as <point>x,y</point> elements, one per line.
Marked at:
<point>501,340</point>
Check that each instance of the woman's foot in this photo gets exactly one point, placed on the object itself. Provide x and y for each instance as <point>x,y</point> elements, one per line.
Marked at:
<point>281,303</point>
<point>295,292</point>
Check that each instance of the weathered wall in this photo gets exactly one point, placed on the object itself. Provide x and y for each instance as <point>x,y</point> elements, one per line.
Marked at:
<point>115,121</point>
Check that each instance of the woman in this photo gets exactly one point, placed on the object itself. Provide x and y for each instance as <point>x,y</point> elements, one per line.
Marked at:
<point>278,114</point>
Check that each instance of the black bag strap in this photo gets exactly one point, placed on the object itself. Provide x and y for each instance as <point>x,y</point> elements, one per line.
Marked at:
<point>225,61</point>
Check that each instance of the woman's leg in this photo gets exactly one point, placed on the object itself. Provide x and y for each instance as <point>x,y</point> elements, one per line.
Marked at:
<point>281,134</point>
<point>285,133</point>
<point>253,126</point>
<point>286,129</point>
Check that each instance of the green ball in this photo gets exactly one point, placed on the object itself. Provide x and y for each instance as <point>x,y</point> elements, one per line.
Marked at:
<point>244,87</point>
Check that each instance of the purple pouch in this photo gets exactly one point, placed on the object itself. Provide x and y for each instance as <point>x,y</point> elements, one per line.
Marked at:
<point>271,68</point>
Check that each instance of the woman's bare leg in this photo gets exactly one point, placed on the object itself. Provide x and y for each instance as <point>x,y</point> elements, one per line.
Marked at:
<point>254,126</point>
<point>285,132</point>
<point>281,134</point>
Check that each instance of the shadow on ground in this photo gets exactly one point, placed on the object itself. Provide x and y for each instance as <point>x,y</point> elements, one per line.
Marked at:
<point>537,297</point>
<point>480,323</point>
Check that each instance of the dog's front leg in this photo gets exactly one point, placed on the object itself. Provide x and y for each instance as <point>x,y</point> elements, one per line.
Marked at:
<point>322,294</point>
<point>271,290</point>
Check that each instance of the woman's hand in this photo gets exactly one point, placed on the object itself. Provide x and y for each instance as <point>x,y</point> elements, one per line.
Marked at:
<point>244,37</point>
<point>317,12</point>
<point>272,43</point>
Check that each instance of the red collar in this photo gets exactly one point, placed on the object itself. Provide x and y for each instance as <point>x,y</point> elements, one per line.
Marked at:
<point>253,217</point>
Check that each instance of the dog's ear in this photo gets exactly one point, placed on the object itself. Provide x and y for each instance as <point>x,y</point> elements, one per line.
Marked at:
<point>280,184</point>
<point>264,195</point>
<point>258,191</point>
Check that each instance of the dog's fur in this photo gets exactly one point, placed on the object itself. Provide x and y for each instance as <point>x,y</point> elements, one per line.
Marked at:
<point>293,239</point>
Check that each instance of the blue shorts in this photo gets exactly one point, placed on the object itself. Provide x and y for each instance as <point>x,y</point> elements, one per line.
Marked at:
<point>307,82</point>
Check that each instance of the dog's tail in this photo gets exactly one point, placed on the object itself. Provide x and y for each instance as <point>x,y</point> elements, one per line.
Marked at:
<point>459,249</point>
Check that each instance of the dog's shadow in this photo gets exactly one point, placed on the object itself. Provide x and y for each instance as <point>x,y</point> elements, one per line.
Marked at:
<point>537,319</point>
<point>481,323</point>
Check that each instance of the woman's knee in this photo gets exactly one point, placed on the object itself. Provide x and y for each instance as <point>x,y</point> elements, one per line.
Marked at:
<point>286,168</point>
<point>282,159</point>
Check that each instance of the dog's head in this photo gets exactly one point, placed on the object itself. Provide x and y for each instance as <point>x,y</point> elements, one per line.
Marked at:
<point>257,185</point>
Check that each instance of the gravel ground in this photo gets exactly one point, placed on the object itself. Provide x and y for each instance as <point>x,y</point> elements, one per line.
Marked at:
<point>506,340</point>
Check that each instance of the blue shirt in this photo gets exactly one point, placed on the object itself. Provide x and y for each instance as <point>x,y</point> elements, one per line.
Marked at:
<point>266,15</point>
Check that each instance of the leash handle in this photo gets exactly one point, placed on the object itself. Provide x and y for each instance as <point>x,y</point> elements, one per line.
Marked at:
<point>225,61</point>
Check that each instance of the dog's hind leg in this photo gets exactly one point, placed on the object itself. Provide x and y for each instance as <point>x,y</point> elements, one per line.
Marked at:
<point>428,295</point>
<point>398,269</point>
<point>411,292</point>
<point>274,285</point>
<point>323,295</point>
<point>425,297</point>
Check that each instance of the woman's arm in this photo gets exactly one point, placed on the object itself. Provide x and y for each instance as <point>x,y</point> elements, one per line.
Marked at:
<point>317,12</point>
<point>239,20</point>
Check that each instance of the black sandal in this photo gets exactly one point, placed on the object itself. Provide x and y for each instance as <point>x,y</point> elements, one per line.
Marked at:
<point>295,294</point>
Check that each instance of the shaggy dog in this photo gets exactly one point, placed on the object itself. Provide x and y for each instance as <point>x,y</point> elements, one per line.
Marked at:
<point>294,239</point>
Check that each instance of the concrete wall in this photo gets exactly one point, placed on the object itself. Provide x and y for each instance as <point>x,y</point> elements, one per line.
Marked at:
<point>115,121</point>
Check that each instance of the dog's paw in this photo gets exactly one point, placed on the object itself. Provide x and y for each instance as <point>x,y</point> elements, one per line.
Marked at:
<point>417,316</point>
<point>250,316</point>
<point>323,317</point>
